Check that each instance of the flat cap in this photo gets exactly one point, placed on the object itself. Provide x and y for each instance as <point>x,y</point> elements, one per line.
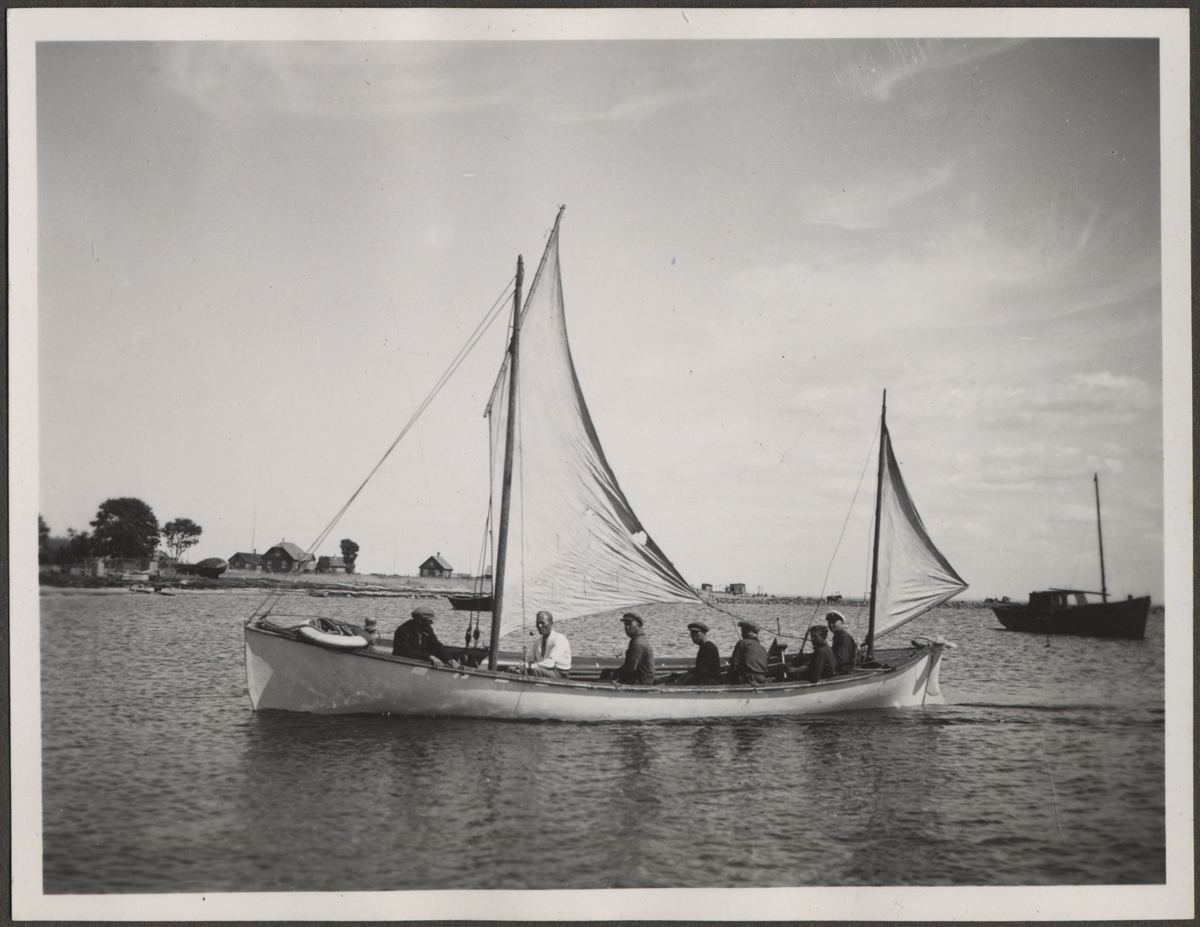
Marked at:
<point>423,611</point>
<point>751,625</point>
<point>698,626</point>
<point>632,616</point>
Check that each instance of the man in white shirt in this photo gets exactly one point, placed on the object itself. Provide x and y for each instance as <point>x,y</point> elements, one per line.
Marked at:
<point>550,655</point>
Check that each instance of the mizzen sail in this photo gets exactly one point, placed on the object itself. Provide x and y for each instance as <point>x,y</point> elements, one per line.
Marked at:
<point>913,576</point>
<point>575,546</point>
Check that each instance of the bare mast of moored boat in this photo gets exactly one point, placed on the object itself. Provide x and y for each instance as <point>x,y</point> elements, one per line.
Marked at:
<point>1100,537</point>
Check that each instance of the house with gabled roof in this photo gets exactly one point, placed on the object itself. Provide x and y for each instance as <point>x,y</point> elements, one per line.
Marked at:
<point>436,566</point>
<point>244,561</point>
<point>286,557</point>
<point>331,565</point>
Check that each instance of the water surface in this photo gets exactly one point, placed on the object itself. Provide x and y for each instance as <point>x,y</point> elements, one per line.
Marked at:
<point>1045,767</point>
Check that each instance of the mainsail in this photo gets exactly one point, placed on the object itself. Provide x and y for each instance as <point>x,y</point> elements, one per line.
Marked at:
<point>912,575</point>
<point>575,547</point>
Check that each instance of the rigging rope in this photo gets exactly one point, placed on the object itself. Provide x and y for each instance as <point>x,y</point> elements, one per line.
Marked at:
<point>825,582</point>
<point>472,340</point>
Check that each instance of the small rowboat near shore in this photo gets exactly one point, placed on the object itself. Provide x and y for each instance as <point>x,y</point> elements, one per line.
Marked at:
<point>583,551</point>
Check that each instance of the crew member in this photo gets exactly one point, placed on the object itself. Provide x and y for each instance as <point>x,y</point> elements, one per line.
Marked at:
<point>748,664</point>
<point>638,668</point>
<point>415,639</point>
<point>707,670</point>
<point>551,655</point>
<point>821,664</point>
<point>844,647</point>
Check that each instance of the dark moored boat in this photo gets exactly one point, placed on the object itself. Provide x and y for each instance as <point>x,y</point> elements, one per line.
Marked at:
<point>475,602</point>
<point>1067,611</point>
<point>213,567</point>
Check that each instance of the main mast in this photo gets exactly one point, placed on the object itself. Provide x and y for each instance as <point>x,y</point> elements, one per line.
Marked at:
<point>1100,536</point>
<point>506,488</point>
<point>870,641</point>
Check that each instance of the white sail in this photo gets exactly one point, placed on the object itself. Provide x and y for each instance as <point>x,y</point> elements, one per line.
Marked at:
<point>575,546</point>
<point>913,576</point>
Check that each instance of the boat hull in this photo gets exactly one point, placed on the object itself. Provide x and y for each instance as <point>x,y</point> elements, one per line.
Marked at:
<point>1125,618</point>
<point>471,603</point>
<point>287,674</point>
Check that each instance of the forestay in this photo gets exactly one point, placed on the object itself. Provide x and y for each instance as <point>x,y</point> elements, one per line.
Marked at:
<point>913,575</point>
<point>575,546</point>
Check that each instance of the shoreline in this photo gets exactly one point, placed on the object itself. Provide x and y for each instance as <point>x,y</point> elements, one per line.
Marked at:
<point>406,587</point>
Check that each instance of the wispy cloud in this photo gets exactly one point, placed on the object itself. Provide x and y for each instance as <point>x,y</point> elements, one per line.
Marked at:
<point>904,59</point>
<point>320,79</point>
<point>872,205</point>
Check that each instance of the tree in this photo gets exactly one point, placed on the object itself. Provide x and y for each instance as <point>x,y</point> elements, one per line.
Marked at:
<point>125,528</point>
<point>181,534</point>
<point>349,554</point>
<point>79,545</point>
<point>43,541</point>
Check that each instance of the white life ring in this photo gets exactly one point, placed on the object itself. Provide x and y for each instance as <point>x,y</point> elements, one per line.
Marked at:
<point>331,641</point>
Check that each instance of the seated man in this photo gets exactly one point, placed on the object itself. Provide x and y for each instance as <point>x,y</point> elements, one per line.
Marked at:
<point>638,668</point>
<point>821,664</point>
<point>844,647</point>
<point>551,652</point>
<point>415,639</point>
<point>707,670</point>
<point>748,664</point>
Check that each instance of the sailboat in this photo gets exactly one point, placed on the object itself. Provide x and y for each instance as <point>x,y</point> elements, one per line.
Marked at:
<point>582,550</point>
<point>1068,611</point>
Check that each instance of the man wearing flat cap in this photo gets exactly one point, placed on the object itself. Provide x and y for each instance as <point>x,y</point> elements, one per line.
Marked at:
<point>844,647</point>
<point>707,670</point>
<point>415,639</point>
<point>638,668</point>
<point>748,664</point>
<point>821,664</point>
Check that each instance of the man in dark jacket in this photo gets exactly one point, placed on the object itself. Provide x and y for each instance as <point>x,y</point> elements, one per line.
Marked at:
<point>821,664</point>
<point>708,658</point>
<point>844,647</point>
<point>638,668</point>
<point>748,664</point>
<point>415,639</point>
<point>707,670</point>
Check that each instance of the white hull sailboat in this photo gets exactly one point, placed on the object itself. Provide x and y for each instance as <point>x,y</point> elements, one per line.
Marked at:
<point>283,673</point>
<point>583,551</point>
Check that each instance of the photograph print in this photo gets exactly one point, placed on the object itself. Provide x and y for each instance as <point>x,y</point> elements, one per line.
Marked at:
<point>486,457</point>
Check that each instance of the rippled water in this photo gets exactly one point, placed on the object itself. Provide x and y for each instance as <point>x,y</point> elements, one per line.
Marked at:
<point>1046,767</point>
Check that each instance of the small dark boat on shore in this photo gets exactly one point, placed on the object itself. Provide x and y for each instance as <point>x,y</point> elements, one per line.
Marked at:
<point>475,602</point>
<point>212,568</point>
<point>1068,611</point>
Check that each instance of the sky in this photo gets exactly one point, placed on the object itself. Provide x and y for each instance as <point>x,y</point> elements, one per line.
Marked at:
<point>255,260</point>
